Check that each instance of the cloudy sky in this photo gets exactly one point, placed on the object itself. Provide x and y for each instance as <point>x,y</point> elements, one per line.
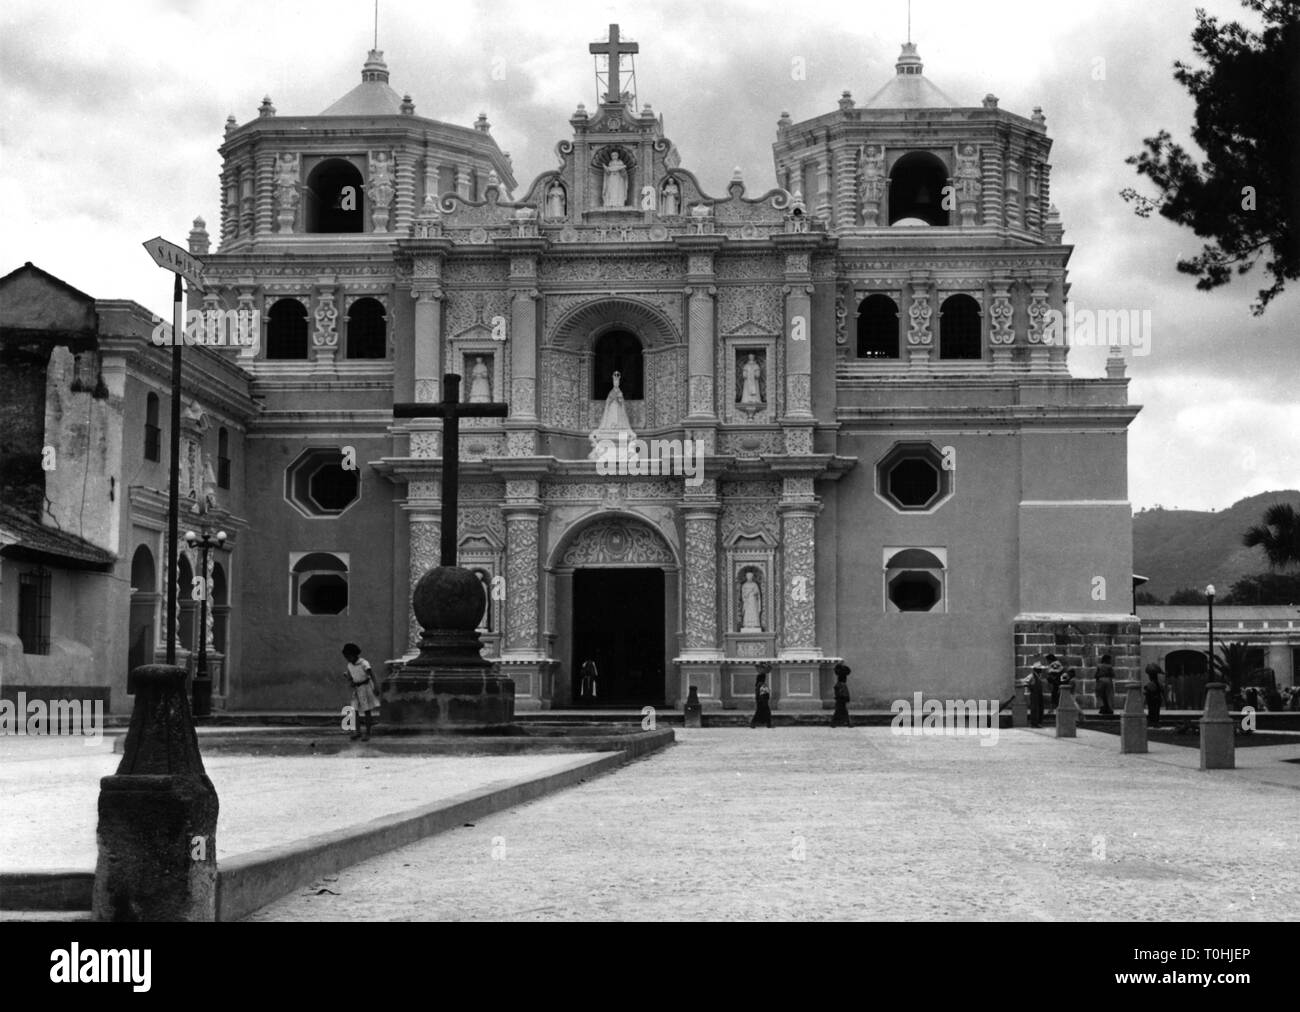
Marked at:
<point>111,115</point>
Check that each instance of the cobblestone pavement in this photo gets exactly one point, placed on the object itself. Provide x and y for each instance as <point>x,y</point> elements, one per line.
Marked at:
<point>49,793</point>
<point>819,823</point>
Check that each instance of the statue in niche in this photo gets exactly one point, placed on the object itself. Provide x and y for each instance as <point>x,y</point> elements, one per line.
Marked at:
<point>615,417</point>
<point>485,621</point>
<point>751,604</point>
<point>614,193</point>
<point>672,201</point>
<point>750,388</point>
<point>381,188</point>
<point>968,173</point>
<point>286,180</point>
<point>873,175</point>
<point>480,383</point>
<point>556,204</point>
<point>613,436</point>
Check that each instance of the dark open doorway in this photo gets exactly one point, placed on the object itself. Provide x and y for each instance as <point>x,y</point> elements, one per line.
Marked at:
<point>618,622</point>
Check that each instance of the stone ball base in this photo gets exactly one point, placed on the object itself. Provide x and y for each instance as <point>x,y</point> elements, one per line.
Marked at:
<point>450,697</point>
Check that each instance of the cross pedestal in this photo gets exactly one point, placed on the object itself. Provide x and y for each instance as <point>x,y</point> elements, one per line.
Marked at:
<point>449,685</point>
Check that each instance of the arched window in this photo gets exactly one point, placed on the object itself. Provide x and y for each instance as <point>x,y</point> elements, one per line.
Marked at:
<point>318,583</point>
<point>916,190</point>
<point>878,327</point>
<point>914,581</point>
<point>959,328</point>
<point>220,607</point>
<point>143,573</point>
<point>223,458</point>
<point>144,602</point>
<point>367,330</point>
<point>335,200</point>
<point>617,350</point>
<point>152,431</point>
<point>286,330</point>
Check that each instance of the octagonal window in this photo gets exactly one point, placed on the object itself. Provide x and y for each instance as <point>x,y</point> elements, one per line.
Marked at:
<point>912,478</point>
<point>318,583</point>
<point>915,580</point>
<point>318,484</point>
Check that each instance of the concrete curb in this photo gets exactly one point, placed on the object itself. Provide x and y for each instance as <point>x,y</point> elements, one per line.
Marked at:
<point>249,881</point>
<point>60,890</point>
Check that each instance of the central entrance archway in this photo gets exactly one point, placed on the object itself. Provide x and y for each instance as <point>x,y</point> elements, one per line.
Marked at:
<point>615,585</point>
<point>618,625</point>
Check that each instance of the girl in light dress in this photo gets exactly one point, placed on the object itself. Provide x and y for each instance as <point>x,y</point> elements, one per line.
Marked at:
<point>365,690</point>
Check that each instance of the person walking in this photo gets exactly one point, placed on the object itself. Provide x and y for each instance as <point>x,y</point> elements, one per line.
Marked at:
<point>1153,693</point>
<point>762,698</point>
<point>840,718</point>
<point>365,690</point>
<point>1105,685</point>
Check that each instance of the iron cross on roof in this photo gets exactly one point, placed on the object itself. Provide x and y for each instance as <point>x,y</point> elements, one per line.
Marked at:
<point>451,411</point>
<point>614,49</point>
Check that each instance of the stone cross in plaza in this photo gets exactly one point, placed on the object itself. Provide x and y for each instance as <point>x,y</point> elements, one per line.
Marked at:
<point>451,411</point>
<point>614,49</point>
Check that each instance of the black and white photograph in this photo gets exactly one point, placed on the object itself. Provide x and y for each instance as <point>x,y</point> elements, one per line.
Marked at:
<point>678,462</point>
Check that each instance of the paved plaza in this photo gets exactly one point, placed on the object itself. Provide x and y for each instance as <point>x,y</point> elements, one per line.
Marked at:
<point>812,823</point>
<point>49,793</point>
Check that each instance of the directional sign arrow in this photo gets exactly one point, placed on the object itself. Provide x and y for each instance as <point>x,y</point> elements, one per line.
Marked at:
<point>177,260</point>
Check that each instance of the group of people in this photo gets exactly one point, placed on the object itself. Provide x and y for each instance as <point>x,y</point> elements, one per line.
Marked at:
<point>763,697</point>
<point>1051,671</point>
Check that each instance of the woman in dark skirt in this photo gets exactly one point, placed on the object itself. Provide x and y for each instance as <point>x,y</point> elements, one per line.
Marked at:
<point>840,718</point>
<point>762,698</point>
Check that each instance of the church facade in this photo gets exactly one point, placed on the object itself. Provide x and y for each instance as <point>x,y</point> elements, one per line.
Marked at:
<point>824,420</point>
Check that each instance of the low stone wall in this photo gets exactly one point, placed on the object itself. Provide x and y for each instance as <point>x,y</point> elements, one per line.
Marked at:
<point>1080,644</point>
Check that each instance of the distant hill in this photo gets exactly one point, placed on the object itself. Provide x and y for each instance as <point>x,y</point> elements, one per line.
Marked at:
<point>1188,548</point>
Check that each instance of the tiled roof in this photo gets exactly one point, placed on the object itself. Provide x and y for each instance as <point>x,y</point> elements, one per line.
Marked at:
<point>23,535</point>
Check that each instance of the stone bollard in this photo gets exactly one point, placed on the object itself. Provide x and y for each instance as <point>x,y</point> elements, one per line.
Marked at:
<point>692,711</point>
<point>1020,706</point>
<point>1218,747</point>
<point>1067,713</point>
<point>1133,721</point>
<point>157,832</point>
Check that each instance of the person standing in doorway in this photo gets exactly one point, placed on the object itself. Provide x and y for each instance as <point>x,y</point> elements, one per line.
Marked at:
<point>365,691</point>
<point>587,691</point>
<point>1153,693</point>
<point>762,697</point>
<point>1105,685</point>
<point>840,718</point>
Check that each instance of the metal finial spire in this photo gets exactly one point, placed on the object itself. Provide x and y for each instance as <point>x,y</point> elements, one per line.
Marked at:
<point>377,22</point>
<point>909,19</point>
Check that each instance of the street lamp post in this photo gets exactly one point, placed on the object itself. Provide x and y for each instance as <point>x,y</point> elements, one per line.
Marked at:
<point>1209,599</point>
<point>204,542</point>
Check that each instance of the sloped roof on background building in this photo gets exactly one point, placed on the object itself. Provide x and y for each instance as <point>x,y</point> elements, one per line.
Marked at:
<point>23,536</point>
